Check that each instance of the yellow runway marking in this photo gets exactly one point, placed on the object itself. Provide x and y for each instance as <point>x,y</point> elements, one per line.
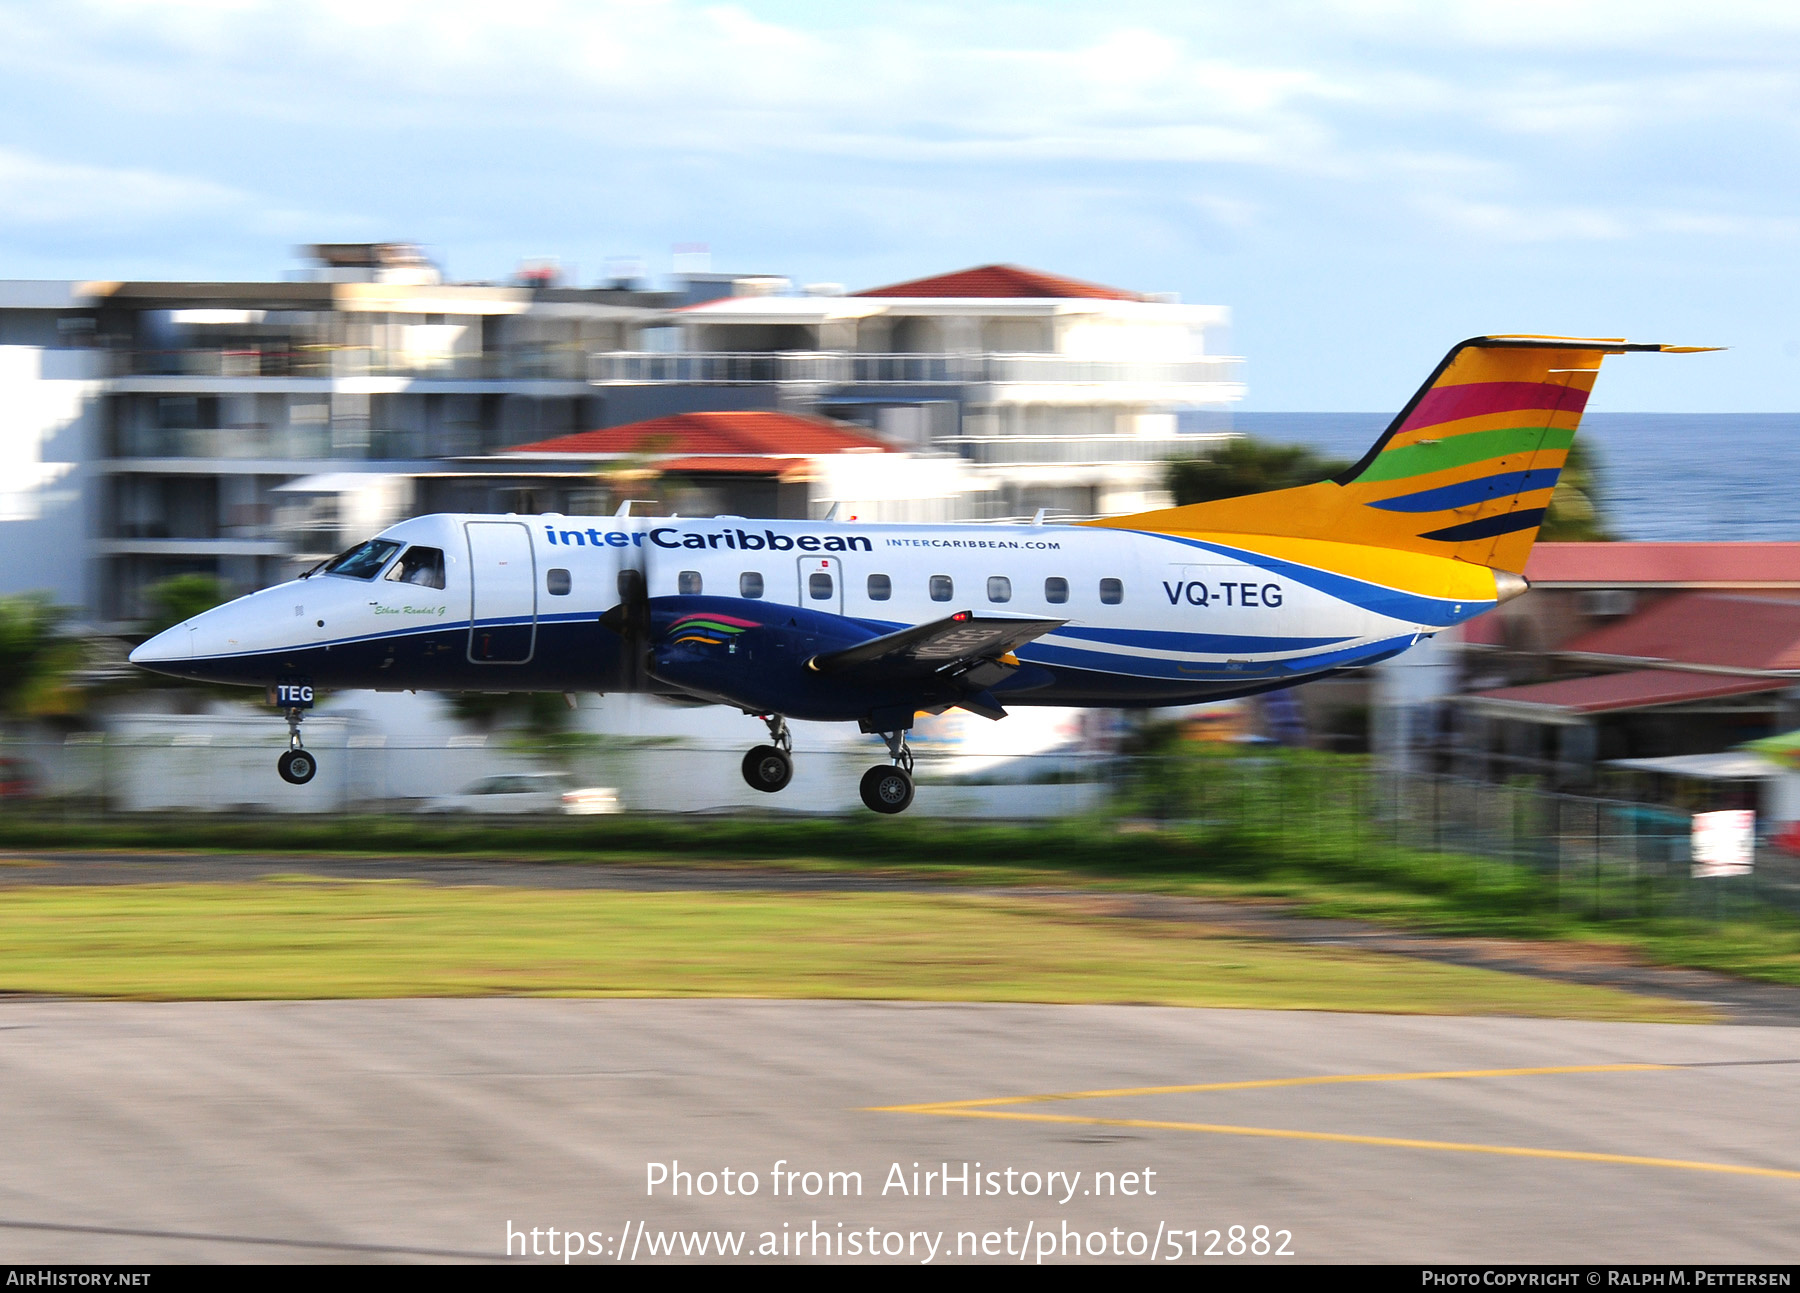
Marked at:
<point>988,1109</point>
<point>944,1106</point>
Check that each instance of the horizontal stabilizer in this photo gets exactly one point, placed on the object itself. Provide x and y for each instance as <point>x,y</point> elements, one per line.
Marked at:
<point>942,645</point>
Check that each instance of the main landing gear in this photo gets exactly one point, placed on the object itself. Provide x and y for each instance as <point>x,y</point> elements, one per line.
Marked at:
<point>884,789</point>
<point>890,790</point>
<point>770,767</point>
<point>297,765</point>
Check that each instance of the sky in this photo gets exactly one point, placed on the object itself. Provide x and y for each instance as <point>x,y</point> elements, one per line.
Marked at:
<point>1363,182</point>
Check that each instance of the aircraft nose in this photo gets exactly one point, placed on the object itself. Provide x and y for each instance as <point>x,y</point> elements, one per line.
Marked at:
<point>171,644</point>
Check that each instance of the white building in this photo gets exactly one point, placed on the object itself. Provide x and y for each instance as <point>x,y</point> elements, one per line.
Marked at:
<point>246,429</point>
<point>1058,393</point>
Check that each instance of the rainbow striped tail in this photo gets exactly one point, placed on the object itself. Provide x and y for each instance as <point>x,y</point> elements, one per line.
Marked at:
<point>1465,471</point>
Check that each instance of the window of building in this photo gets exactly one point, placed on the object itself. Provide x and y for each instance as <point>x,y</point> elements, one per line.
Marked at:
<point>1112,592</point>
<point>942,589</point>
<point>880,588</point>
<point>687,583</point>
<point>999,588</point>
<point>818,586</point>
<point>422,566</point>
<point>557,583</point>
<point>1056,590</point>
<point>750,584</point>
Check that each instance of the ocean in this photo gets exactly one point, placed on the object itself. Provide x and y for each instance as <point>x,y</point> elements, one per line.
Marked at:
<point>1669,476</point>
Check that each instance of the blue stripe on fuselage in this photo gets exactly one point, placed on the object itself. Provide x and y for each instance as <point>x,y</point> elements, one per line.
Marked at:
<point>1199,643</point>
<point>1395,604</point>
<point>1050,653</point>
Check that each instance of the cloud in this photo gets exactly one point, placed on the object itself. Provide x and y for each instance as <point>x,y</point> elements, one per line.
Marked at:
<point>37,191</point>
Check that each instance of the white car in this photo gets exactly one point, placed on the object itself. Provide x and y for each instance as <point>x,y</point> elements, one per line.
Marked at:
<point>525,792</point>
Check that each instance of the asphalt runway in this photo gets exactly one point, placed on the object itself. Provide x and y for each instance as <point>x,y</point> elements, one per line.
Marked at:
<point>423,1130</point>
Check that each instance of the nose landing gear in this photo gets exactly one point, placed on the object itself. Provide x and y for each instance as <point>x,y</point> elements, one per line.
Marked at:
<point>770,767</point>
<point>297,766</point>
<point>890,790</point>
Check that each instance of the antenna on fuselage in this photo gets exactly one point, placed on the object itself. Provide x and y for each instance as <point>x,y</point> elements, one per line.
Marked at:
<point>832,514</point>
<point>1039,518</point>
<point>624,510</point>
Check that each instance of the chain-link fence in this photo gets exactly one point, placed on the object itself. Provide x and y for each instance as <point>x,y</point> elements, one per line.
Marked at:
<point>1606,856</point>
<point>230,768</point>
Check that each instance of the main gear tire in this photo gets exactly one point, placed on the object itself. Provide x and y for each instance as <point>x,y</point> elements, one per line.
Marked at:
<point>887,789</point>
<point>768,768</point>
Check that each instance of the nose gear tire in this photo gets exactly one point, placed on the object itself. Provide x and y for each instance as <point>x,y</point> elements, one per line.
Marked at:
<point>768,768</point>
<point>887,789</point>
<point>297,767</point>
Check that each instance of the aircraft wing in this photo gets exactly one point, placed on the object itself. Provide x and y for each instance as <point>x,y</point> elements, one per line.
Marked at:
<point>959,641</point>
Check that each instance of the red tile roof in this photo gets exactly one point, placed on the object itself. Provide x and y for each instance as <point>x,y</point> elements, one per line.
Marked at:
<point>1679,565</point>
<point>724,465</point>
<point>1714,629</point>
<point>1639,689</point>
<point>740,434</point>
<point>1002,281</point>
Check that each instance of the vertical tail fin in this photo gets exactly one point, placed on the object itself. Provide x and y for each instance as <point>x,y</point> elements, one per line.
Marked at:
<point>1465,471</point>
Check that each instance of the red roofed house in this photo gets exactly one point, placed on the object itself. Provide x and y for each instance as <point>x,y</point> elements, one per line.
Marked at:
<point>757,462</point>
<point>1631,651</point>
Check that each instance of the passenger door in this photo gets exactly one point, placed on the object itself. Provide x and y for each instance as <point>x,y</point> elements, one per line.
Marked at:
<point>822,584</point>
<point>502,594</point>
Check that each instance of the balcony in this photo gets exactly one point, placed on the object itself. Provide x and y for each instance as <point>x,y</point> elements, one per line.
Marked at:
<point>530,363</point>
<point>1206,380</point>
<point>1076,450</point>
<point>280,444</point>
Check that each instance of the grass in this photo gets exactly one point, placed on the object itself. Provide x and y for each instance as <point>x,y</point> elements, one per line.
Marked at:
<point>309,938</point>
<point>1322,866</point>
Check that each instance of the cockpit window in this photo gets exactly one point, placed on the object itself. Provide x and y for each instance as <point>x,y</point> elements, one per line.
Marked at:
<point>364,561</point>
<point>425,567</point>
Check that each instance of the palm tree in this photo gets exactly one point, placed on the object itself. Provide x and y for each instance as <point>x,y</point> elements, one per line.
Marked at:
<point>1248,466</point>
<point>1574,514</point>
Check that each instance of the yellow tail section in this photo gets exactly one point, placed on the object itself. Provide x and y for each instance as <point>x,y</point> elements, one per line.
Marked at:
<point>1465,471</point>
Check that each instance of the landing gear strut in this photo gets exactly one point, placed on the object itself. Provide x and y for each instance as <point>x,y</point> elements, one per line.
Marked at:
<point>770,767</point>
<point>890,790</point>
<point>297,765</point>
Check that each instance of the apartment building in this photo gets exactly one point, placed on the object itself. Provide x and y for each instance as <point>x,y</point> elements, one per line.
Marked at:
<point>244,430</point>
<point>1055,392</point>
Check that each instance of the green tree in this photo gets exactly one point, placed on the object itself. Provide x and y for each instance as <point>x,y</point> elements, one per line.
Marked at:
<point>179,598</point>
<point>172,601</point>
<point>1247,466</point>
<point>36,659</point>
<point>1574,514</point>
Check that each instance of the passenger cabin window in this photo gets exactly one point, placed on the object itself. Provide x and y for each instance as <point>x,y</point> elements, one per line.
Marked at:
<point>750,584</point>
<point>1112,592</point>
<point>1056,590</point>
<point>818,586</point>
<point>687,583</point>
<point>942,589</point>
<point>880,588</point>
<point>999,588</point>
<point>365,560</point>
<point>557,583</point>
<point>421,566</point>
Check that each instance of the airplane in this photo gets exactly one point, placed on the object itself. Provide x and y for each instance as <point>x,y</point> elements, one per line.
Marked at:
<point>876,624</point>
